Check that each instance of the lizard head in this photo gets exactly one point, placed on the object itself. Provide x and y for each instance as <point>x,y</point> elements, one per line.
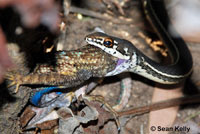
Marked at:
<point>114,46</point>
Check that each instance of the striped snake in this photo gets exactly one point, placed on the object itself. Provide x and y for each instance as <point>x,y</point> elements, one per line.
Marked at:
<point>135,61</point>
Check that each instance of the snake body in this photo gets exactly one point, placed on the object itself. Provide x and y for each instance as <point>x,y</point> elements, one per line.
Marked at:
<point>135,61</point>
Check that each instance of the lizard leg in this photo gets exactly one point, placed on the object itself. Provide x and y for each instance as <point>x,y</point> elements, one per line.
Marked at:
<point>101,100</point>
<point>51,79</point>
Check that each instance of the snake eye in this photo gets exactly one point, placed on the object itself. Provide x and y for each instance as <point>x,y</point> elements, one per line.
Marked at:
<point>108,42</point>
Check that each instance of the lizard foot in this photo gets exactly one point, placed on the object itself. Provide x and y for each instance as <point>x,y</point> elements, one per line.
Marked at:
<point>101,100</point>
<point>13,79</point>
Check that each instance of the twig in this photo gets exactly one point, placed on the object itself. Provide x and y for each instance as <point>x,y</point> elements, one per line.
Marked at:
<point>97,15</point>
<point>162,105</point>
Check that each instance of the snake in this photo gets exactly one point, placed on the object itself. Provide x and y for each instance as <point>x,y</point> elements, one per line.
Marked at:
<point>133,60</point>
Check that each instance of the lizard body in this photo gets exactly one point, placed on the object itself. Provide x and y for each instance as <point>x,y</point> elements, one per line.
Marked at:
<point>69,68</point>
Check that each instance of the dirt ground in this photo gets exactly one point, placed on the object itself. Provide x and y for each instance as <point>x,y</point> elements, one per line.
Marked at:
<point>142,88</point>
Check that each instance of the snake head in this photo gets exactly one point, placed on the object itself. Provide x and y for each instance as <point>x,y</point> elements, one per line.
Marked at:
<point>120,48</point>
<point>117,47</point>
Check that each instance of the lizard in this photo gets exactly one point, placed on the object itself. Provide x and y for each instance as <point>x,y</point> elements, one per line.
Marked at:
<point>68,69</point>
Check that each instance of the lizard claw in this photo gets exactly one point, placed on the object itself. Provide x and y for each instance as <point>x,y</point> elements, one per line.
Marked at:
<point>12,78</point>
